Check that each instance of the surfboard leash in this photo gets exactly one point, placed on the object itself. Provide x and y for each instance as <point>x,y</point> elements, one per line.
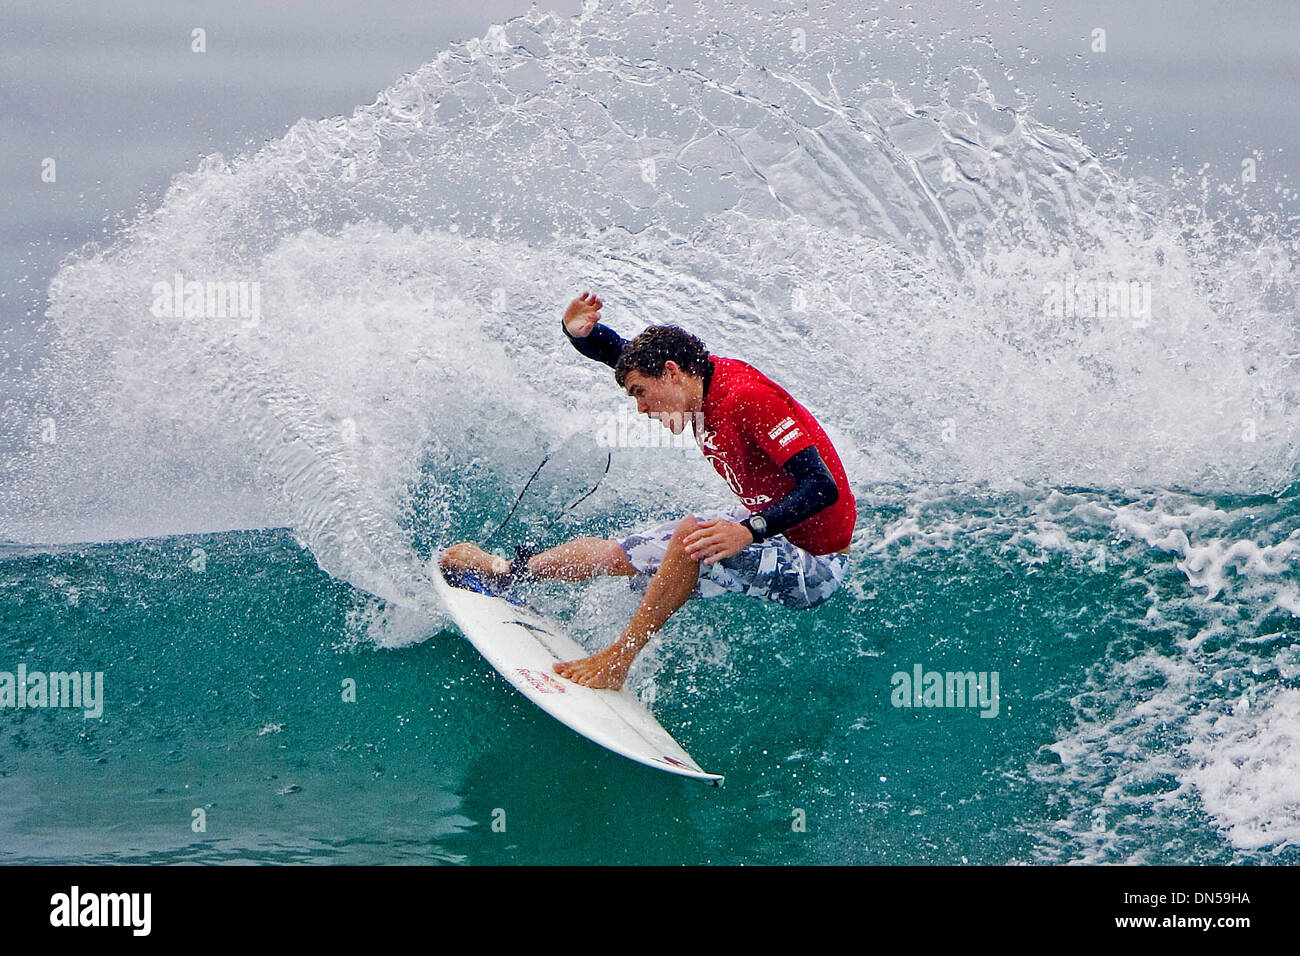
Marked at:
<point>609,458</point>
<point>524,491</point>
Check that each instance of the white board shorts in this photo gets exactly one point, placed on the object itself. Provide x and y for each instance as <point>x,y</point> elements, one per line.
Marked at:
<point>773,569</point>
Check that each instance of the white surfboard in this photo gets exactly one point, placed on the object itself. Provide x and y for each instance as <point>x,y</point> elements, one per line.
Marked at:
<point>522,645</point>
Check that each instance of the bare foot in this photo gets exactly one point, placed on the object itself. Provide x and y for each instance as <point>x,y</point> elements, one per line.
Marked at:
<point>470,557</point>
<point>605,669</point>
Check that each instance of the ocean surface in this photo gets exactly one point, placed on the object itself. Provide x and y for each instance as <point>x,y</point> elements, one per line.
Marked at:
<point>1066,395</point>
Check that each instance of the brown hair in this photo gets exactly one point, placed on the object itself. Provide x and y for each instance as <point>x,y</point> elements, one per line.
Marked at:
<point>658,345</point>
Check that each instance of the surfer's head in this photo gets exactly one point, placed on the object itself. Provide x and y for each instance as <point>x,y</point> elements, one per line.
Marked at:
<point>663,369</point>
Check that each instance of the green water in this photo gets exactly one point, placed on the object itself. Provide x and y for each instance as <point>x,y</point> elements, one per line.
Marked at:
<point>227,690</point>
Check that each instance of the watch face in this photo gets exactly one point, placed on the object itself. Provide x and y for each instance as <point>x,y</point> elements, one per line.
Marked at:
<point>758,524</point>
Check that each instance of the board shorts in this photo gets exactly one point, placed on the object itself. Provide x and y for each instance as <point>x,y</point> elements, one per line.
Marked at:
<point>774,569</point>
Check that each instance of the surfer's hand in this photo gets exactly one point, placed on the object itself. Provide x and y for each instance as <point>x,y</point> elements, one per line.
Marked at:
<point>582,315</point>
<point>716,540</point>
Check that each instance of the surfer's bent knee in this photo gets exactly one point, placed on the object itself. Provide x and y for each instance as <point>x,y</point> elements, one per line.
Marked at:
<point>616,561</point>
<point>683,528</point>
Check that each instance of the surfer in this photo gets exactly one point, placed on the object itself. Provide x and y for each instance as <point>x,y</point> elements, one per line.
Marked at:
<point>787,541</point>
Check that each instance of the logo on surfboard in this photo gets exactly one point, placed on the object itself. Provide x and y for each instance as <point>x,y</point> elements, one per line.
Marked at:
<point>542,682</point>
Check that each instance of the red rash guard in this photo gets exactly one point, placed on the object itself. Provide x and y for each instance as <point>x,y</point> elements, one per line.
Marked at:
<point>751,428</point>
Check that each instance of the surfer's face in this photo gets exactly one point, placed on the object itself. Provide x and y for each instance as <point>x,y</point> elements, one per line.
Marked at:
<point>670,398</point>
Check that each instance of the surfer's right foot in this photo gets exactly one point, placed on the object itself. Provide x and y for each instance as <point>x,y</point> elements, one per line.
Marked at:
<point>470,557</point>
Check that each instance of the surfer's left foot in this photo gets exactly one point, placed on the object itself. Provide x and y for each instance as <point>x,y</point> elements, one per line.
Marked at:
<point>606,669</point>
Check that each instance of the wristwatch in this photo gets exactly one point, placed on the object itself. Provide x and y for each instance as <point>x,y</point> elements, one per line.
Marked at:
<point>757,526</point>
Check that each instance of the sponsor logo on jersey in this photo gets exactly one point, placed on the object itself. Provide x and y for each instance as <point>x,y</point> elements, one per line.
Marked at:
<point>721,467</point>
<point>781,426</point>
<point>789,437</point>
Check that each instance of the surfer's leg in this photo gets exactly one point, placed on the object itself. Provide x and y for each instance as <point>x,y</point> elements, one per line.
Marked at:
<point>575,560</point>
<point>670,588</point>
<point>467,556</point>
<point>580,559</point>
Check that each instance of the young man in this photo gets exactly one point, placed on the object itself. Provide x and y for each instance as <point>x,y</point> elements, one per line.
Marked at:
<point>788,541</point>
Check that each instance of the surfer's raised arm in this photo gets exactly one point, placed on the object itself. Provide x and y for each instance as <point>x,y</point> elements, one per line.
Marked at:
<point>582,326</point>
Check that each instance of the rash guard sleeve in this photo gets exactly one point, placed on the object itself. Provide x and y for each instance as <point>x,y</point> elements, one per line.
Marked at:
<point>602,344</point>
<point>814,490</point>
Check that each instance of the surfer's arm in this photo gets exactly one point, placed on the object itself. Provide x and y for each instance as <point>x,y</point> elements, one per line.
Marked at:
<point>581,324</point>
<point>770,425</point>
<point>814,491</point>
<point>602,344</point>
